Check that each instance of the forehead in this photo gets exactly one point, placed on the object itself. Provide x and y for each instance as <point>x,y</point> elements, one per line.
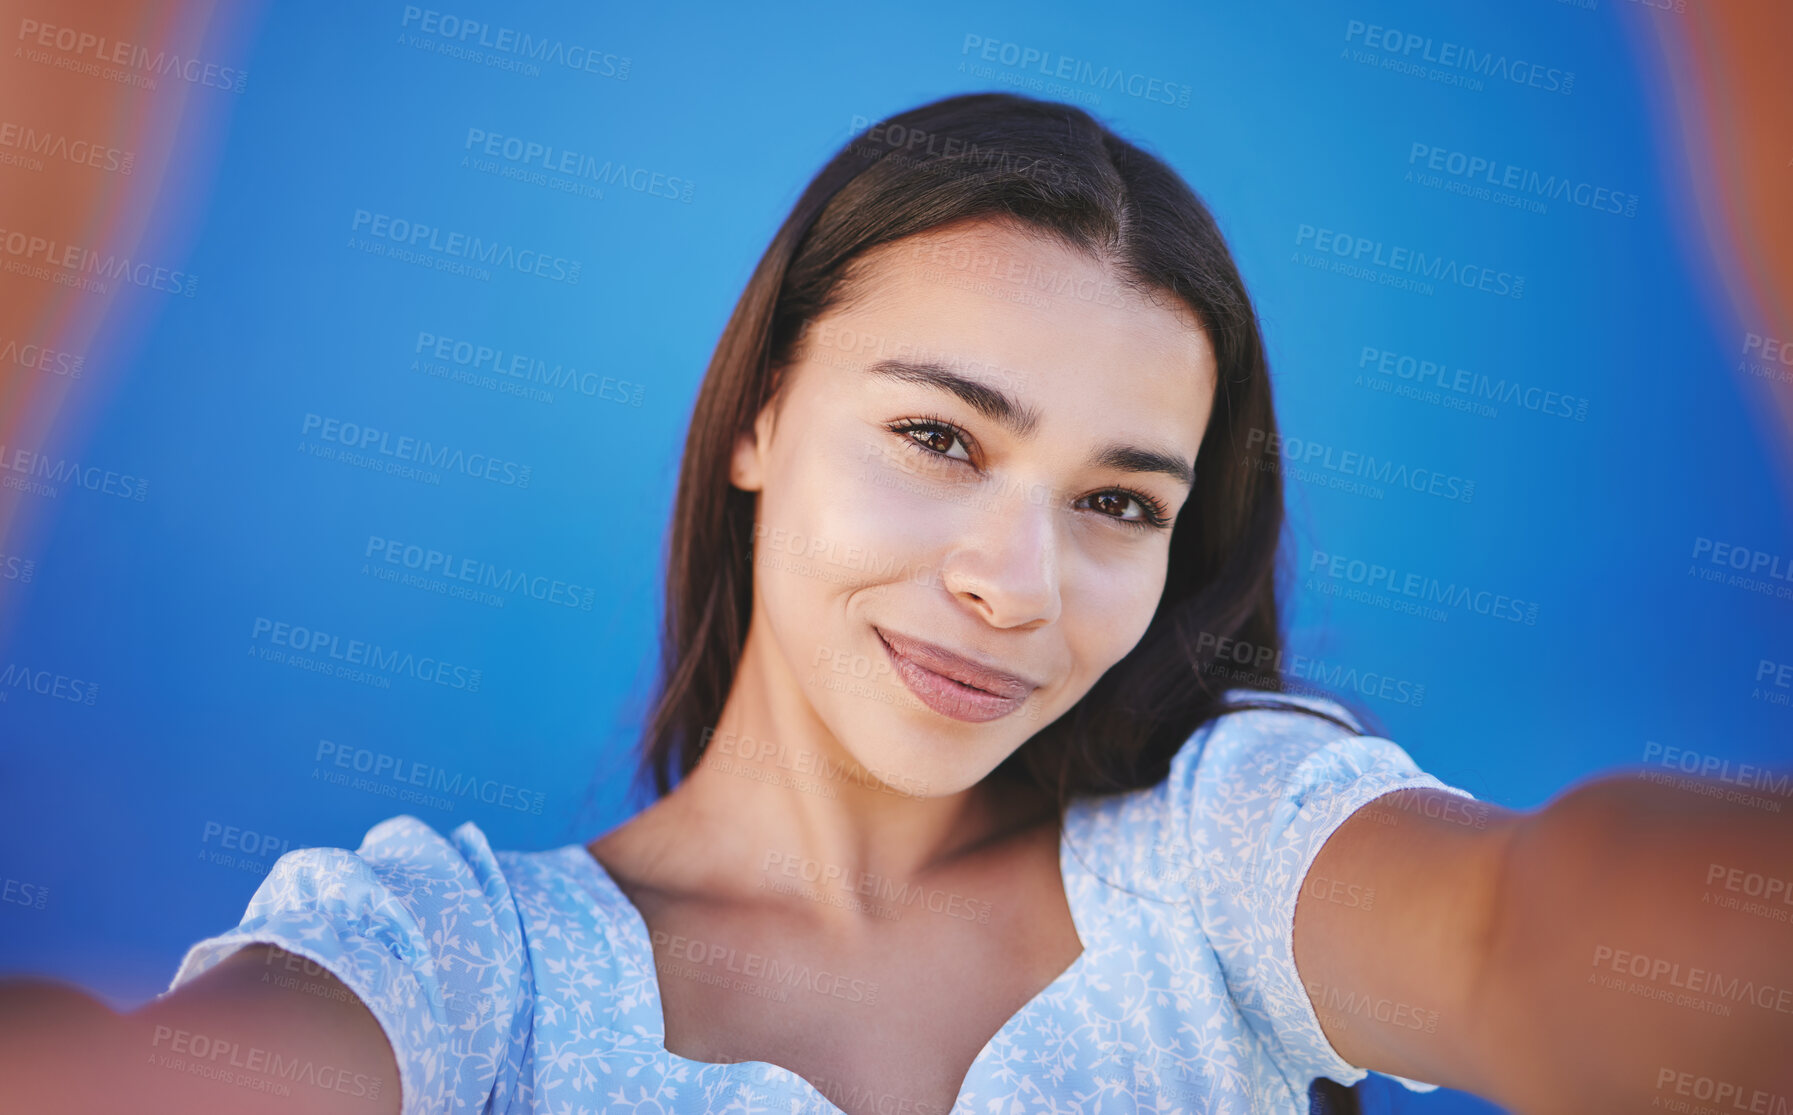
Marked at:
<point>1021,307</point>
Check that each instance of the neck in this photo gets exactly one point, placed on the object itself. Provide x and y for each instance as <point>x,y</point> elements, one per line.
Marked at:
<point>775,797</point>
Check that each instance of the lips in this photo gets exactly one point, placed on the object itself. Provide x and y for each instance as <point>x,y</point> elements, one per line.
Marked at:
<point>957,667</point>
<point>952,684</point>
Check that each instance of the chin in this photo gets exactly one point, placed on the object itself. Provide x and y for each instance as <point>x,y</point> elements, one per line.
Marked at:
<point>921,764</point>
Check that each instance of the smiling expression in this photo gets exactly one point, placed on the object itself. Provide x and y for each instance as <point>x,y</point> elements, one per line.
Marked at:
<point>966,493</point>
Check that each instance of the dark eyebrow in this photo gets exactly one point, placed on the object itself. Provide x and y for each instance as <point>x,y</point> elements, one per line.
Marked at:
<point>1021,419</point>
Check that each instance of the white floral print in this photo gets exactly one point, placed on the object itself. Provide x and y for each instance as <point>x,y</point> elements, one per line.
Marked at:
<point>523,983</point>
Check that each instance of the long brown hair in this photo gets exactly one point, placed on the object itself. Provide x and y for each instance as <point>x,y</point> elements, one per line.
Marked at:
<point>1054,168</point>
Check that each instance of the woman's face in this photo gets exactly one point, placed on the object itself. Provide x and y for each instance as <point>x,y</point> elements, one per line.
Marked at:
<point>970,454</point>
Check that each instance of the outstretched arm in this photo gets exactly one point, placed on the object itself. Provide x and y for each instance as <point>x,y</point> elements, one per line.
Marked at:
<point>264,1031</point>
<point>1627,947</point>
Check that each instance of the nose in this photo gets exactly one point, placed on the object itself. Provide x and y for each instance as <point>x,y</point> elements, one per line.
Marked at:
<point>1006,566</point>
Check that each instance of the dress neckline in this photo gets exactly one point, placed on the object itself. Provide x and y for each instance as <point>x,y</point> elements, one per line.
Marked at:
<point>641,945</point>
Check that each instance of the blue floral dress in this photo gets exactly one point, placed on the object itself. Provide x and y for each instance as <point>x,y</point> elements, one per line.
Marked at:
<point>525,982</point>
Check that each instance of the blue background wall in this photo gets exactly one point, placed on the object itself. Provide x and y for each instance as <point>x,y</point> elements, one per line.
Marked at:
<point>117,809</point>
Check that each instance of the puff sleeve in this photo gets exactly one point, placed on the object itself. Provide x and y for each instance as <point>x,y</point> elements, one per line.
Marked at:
<point>1255,795</point>
<point>424,931</point>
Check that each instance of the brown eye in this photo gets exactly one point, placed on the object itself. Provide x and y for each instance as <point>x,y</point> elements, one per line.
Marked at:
<point>934,438</point>
<point>1151,512</point>
<point>1112,502</point>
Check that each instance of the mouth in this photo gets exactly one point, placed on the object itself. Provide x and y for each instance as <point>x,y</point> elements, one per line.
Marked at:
<point>951,684</point>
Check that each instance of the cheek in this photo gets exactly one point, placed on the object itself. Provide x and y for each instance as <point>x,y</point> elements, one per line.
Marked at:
<point>810,492</point>
<point>839,514</point>
<point>1115,605</point>
<point>895,513</point>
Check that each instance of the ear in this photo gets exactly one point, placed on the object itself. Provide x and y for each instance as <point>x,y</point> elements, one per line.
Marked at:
<point>747,468</point>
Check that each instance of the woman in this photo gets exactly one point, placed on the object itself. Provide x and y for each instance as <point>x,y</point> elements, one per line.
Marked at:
<point>969,813</point>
